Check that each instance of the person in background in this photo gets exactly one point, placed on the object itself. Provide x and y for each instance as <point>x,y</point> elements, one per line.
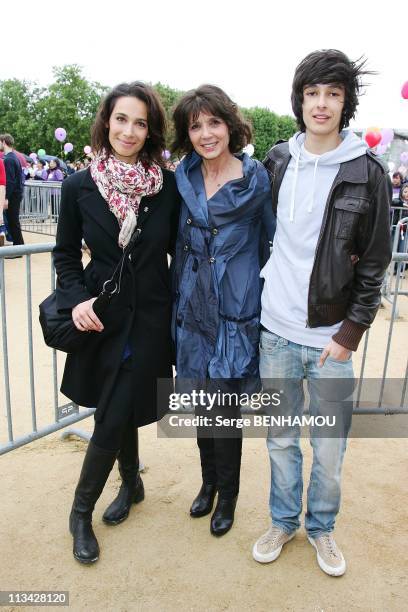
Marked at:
<point>403,238</point>
<point>29,171</point>
<point>54,171</point>
<point>2,202</point>
<point>14,189</point>
<point>397,181</point>
<point>71,169</point>
<point>41,173</point>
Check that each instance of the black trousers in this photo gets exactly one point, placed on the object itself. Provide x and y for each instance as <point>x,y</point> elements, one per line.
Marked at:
<point>117,430</point>
<point>13,218</point>
<point>221,445</point>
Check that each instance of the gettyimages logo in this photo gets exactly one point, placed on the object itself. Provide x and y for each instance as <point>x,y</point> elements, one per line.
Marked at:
<point>205,400</point>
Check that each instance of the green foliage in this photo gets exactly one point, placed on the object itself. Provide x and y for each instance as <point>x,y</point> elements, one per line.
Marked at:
<point>32,113</point>
<point>70,102</point>
<point>268,128</point>
<point>169,98</point>
<point>17,111</point>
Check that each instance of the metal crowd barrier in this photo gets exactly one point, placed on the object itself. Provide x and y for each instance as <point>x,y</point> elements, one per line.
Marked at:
<point>40,207</point>
<point>399,237</point>
<point>64,413</point>
<point>69,413</point>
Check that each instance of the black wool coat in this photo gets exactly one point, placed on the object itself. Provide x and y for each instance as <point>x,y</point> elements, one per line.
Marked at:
<point>139,315</point>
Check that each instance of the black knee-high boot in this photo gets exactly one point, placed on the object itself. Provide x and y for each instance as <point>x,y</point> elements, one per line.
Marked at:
<point>228,458</point>
<point>96,468</point>
<point>131,490</point>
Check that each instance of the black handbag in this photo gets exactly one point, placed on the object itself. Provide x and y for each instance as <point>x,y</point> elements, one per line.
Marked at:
<point>57,326</point>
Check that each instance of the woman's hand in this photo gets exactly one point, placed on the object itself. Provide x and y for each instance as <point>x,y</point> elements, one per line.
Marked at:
<point>84,317</point>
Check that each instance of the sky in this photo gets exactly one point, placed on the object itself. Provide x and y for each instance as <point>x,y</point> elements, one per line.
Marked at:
<point>250,49</point>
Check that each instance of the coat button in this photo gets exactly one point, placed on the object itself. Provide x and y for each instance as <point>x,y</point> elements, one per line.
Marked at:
<point>146,209</point>
<point>130,257</point>
<point>186,247</point>
<point>214,231</point>
<point>212,260</point>
<point>188,221</point>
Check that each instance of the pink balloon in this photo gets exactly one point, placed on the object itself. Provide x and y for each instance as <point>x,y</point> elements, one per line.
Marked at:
<point>404,90</point>
<point>372,139</point>
<point>387,136</point>
<point>33,156</point>
<point>87,150</point>
<point>60,134</point>
<point>68,146</point>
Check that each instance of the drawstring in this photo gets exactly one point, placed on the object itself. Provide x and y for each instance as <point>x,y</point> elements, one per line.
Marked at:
<point>311,202</point>
<point>292,203</point>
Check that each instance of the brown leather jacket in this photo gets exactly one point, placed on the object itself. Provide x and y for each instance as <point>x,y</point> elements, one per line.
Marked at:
<point>353,248</point>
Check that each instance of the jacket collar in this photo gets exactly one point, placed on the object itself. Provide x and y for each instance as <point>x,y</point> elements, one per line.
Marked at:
<point>98,208</point>
<point>239,191</point>
<point>353,171</point>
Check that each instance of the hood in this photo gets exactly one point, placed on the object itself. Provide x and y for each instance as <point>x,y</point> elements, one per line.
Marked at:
<point>350,148</point>
<point>239,192</point>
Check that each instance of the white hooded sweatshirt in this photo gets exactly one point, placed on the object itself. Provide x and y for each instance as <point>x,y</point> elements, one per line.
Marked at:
<point>302,200</point>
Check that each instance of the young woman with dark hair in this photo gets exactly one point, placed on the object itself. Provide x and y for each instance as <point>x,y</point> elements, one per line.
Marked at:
<point>221,247</point>
<point>124,189</point>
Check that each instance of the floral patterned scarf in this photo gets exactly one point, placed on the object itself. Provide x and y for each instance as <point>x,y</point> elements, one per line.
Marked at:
<point>123,185</point>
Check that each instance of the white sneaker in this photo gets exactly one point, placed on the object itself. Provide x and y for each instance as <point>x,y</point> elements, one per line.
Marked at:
<point>329,556</point>
<point>269,546</point>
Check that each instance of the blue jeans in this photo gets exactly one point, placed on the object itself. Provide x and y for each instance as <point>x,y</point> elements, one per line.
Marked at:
<point>284,365</point>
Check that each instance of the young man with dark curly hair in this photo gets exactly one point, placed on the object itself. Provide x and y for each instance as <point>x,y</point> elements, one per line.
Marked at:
<point>322,287</point>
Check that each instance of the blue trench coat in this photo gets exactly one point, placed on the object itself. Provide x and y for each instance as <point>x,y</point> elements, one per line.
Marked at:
<point>220,250</point>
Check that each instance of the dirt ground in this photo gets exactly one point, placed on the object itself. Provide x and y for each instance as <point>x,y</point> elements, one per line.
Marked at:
<point>160,558</point>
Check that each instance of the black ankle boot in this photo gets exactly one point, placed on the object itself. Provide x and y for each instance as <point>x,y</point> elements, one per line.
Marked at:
<point>96,468</point>
<point>131,490</point>
<point>223,517</point>
<point>204,501</point>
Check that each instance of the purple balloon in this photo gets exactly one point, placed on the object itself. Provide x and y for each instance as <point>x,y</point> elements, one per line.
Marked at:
<point>68,147</point>
<point>387,136</point>
<point>404,157</point>
<point>166,154</point>
<point>33,156</point>
<point>381,149</point>
<point>60,134</point>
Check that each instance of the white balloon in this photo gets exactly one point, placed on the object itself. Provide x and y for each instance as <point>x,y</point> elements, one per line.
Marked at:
<point>391,165</point>
<point>249,149</point>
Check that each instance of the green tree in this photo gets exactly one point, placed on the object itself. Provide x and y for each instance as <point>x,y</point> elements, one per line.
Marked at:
<point>287,127</point>
<point>17,111</point>
<point>32,113</point>
<point>169,98</point>
<point>268,128</point>
<point>70,102</point>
